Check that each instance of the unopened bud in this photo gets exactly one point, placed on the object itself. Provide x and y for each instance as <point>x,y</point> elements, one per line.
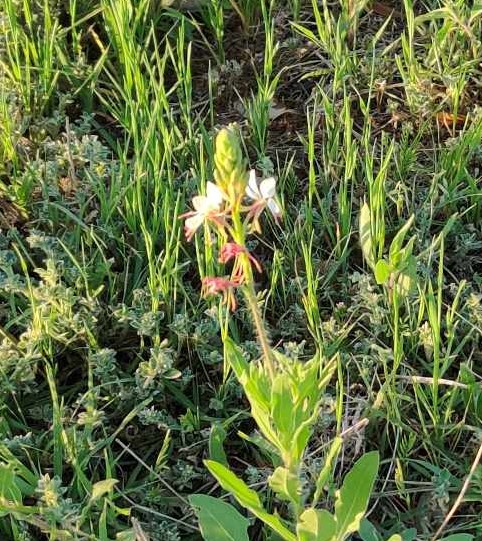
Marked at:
<point>230,174</point>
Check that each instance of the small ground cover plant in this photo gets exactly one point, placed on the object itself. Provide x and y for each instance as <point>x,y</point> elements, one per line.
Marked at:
<point>240,274</point>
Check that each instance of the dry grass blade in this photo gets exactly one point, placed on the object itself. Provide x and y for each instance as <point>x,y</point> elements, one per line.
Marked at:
<point>139,532</point>
<point>461,495</point>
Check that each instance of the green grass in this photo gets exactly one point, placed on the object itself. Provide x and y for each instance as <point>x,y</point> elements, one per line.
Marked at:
<point>112,365</point>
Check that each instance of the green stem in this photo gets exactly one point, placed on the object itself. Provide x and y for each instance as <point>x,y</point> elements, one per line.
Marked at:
<point>250,294</point>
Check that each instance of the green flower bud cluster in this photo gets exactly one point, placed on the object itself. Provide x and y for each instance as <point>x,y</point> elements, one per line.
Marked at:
<point>230,174</point>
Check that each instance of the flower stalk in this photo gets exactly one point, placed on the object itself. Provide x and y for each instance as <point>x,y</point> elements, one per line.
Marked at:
<point>232,207</point>
<point>250,296</point>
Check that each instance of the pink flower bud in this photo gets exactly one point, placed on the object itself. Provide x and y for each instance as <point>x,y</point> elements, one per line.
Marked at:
<point>214,285</point>
<point>232,250</point>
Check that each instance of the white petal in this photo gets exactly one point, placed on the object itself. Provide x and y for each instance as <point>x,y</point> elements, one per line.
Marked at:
<point>214,195</point>
<point>268,188</point>
<point>274,208</point>
<point>252,190</point>
<point>200,203</point>
<point>193,223</point>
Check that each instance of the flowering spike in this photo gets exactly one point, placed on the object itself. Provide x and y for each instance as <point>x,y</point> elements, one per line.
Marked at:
<point>230,174</point>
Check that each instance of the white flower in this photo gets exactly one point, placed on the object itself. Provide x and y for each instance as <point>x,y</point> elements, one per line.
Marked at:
<point>205,207</point>
<point>263,194</point>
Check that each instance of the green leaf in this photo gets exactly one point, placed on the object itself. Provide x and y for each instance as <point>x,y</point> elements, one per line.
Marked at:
<point>268,450</point>
<point>286,484</point>
<point>102,487</point>
<point>406,253</point>
<point>216,440</point>
<point>218,520</point>
<point>126,535</point>
<point>367,531</point>
<point>236,359</point>
<point>306,32</point>
<point>353,497</point>
<point>282,407</point>
<point>9,489</point>
<point>366,234</point>
<point>247,497</point>
<point>316,525</point>
<point>327,467</point>
<point>409,534</point>
<point>406,279</point>
<point>458,537</point>
<point>398,239</point>
<point>382,271</point>
<point>256,385</point>
<point>395,537</point>
<point>230,482</point>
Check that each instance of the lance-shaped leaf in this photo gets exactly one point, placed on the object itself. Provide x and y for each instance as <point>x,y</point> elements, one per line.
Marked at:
<point>316,525</point>
<point>353,497</point>
<point>327,467</point>
<point>396,245</point>
<point>248,498</point>
<point>218,520</point>
<point>286,484</point>
<point>366,234</point>
<point>382,271</point>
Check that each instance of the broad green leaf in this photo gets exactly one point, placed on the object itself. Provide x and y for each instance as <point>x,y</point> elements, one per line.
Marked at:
<point>409,534</point>
<point>367,531</point>
<point>102,487</point>
<point>366,234</point>
<point>382,271</point>
<point>218,520</point>
<point>247,497</point>
<point>216,440</point>
<point>353,497</point>
<point>8,484</point>
<point>395,537</point>
<point>459,537</point>
<point>327,467</point>
<point>316,525</point>
<point>257,386</point>
<point>286,484</point>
